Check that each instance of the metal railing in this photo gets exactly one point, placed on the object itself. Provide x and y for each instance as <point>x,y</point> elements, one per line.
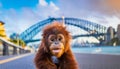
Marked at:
<point>8,48</point>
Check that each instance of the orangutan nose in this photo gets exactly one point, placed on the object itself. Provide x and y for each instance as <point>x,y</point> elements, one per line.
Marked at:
<point>56,43</point>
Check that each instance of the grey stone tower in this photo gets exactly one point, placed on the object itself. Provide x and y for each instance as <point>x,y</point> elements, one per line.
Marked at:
<point>110,34</point>
<point>118,31</point>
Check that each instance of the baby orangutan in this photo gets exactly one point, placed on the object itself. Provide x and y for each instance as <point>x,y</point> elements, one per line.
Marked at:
<point>54,51</point>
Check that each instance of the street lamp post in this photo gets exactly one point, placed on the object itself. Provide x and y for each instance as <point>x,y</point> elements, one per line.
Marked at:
<point>63,21</point>
<point>17,39</point>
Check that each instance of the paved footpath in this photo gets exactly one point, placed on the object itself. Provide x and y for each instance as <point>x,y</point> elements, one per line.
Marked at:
<point>85,61</point>
<point>98,61</point>
<point>25,62</point>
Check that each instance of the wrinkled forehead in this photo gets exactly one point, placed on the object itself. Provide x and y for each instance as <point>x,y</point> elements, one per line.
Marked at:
<point>55,31</point>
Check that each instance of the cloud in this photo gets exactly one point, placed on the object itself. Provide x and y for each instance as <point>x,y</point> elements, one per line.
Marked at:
<point>52,5</point>
<point>43,3</point>
<point>92,10</point>
<point>113,21</point>
<point>19,21</point>
<point>48,10</point>
<point>78,9</point>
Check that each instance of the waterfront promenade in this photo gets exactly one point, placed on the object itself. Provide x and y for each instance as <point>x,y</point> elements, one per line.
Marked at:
<point>85,61</point>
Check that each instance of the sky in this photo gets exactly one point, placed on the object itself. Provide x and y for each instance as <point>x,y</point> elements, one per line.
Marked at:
<point>19,15</point>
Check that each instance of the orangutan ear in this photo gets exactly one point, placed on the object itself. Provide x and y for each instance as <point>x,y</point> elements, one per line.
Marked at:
<point>68,44</point>
<point>44,47</point>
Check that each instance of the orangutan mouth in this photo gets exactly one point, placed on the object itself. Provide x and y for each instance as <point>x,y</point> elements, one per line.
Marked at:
<point>56,50</point>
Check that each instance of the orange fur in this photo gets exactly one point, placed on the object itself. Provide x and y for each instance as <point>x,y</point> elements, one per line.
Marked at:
<point>43,57</point>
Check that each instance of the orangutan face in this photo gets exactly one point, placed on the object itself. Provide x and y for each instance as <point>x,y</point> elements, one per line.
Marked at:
<point>57,44</point>
<point>56,39</point>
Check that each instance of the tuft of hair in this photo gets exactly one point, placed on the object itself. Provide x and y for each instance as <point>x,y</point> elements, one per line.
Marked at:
<point>56,28</point>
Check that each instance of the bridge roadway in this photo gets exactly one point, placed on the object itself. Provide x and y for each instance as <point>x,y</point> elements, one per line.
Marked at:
<point>85,61</point>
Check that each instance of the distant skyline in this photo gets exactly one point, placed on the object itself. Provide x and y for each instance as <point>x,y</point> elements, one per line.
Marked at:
<point>19,15</point>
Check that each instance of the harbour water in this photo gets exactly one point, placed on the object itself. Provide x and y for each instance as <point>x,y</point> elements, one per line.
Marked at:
<point>98,50</point>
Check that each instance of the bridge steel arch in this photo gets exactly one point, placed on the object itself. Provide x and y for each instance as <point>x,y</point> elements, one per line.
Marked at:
<point>86,25</point>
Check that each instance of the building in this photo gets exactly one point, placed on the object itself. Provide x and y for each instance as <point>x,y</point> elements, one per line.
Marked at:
<point>2,31</point>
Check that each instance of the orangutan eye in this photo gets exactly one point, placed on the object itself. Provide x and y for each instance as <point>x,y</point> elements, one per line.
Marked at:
<point>51,38</point>
<point>60,37</point>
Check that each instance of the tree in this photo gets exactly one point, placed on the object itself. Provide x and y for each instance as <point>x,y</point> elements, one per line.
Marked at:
<point>18,42</point>
<point>114,40</point>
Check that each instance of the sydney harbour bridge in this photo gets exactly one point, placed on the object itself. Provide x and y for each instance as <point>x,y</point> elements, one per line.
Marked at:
<point>88,26</point>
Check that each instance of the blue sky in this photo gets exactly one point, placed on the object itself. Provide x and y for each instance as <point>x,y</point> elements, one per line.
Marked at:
<point>19,15</point>
<point>18,4</point>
